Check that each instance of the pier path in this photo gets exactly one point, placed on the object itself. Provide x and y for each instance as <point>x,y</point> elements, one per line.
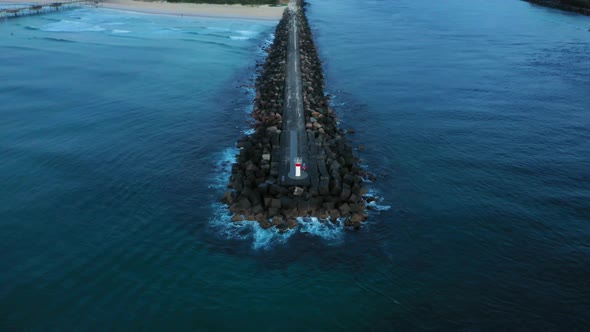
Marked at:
<point>294,143</point>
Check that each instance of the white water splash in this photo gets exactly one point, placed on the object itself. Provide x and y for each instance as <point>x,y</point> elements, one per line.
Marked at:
<point>377,204</point>
<point>325,229</point>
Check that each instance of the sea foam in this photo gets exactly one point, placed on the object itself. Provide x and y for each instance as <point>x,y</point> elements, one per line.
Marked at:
<point>71,26</point>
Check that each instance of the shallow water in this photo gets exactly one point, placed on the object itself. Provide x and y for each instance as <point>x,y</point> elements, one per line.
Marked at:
<point>117,130</point>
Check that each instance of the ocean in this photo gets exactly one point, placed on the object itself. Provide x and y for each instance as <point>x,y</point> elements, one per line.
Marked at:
<point>118,130</point>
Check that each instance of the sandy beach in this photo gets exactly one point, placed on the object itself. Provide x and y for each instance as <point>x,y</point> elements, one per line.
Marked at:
<point>183,9</point>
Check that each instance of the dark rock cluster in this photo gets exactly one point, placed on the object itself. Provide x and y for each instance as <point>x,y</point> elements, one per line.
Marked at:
<point>577,6</point>
<point>336,189</point>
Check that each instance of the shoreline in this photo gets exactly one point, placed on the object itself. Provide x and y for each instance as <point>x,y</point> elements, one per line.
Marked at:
<point>261,13</point>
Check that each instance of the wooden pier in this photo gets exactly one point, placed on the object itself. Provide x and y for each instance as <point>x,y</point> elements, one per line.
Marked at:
<point>18,10</point>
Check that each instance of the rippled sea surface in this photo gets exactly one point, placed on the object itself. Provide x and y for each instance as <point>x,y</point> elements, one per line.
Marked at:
<point>116,130</point>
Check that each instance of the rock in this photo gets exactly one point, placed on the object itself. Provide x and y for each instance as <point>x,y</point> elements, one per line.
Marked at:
<point>237,218</point>
<point>334,213</point>
<point>242,204</point>
<point>228,197</point>
<point>262,188</point>
<point>344,209</point>
<point>265,224</point>
<point>266,156</point>
<point>257,209</point>
<point>329,205</point>
<point>345,194</point>
<point>290,213</point>
<point>273,212</point>
<point>361,148</point>
<point>277,220</point>
<point>275,203</point>
<point>322,214</point>
<point>324,187</point>
<point>313,120</point>
<point>260,217</point>
<point>287,203</point>
<point>348,179</point>
<point>275,189</point>
<point>298,191</point>
<point>303,208</point>
<point>356,217</point>
<point>292,223</point>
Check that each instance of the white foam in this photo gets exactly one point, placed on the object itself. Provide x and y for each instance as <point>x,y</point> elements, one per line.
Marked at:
<point>238,38</point>
<point>223,168</point>
<point>121,31</point>
<point>71,26</point>
<point>247,230</point>
<point>377,205</point>
<point>324,229</point>
<point>267,238</point>
<point>247,33</point>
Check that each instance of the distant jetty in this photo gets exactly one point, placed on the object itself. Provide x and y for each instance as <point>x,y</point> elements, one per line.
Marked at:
<point>577,6</point>
<point>295,165</point>
<point>18,10</point>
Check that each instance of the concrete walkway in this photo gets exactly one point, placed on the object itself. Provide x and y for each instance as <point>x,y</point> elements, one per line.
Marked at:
<point>293,136</point>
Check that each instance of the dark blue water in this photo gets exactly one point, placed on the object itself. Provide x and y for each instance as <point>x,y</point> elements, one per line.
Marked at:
<point>474,115</point>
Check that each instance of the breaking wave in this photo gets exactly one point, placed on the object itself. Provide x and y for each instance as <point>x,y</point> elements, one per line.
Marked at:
<point>71,26</point>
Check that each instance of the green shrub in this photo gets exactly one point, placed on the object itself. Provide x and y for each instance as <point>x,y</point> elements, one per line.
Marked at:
<point>232,2</point>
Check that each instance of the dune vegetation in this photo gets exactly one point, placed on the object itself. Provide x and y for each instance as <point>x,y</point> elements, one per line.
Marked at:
<point>233,2</point>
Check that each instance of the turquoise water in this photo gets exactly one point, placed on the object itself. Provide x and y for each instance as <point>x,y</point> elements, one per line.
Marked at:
<point>116,130</point>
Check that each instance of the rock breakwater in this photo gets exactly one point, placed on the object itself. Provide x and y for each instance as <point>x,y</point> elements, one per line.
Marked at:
<point>577,6</point>
<point>257,191</point>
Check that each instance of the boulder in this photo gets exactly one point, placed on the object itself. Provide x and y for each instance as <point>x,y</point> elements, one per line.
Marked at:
<point>344,209</point>
<point>273,212</point>
<point>264,224</point>
<point>275,203</point>
<point>228,197</point>
<point>298,191</point>
<point>356,217</point>
<point>345,194</point>
<point>237,218</point>
<point>291,223</point>
<point>334,214</point>
<point>287,203</point>
<point>322,214</point>
<point>277,220</point>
